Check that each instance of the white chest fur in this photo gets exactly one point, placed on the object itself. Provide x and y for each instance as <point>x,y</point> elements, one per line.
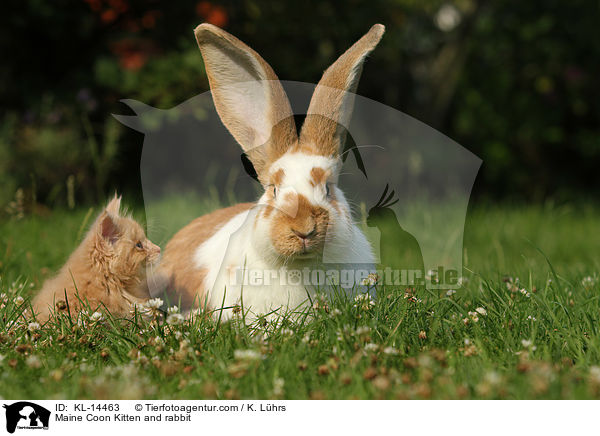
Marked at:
<point>239,275</point>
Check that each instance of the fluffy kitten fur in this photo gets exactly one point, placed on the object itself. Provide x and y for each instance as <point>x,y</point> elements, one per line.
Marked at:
<point>105,270</point>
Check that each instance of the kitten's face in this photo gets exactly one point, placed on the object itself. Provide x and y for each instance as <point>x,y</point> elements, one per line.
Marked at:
<point>125,245</point>
<point>133,247</point>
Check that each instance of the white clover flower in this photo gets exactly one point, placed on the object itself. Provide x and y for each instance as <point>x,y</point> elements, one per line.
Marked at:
<point>3,296</point>
<point>525,292</point>
<point>450,292</point>
<point>474,316</point>
<point>247,355</point>
<point>278,384</point>
<point>493,378</point>
<point>184,345</point>
<point>335,312</point>
<point>390,351</point>
<point>594,373</point>
<point>175,319</point>
<point>425,360</point>
<point>96,317</point>
<point>33,326</point>
<point>589,282</point>
<point>82,318</point>
<point>371,347</point>
<point>173,309</point>
<point>364,301</point>
<point>154,303</point>
<point>345,332</point>
<point>481,311</point>
<point>370,280</point>
<point>19,300</point>
<point>363,330</point>
<point>33,362</point>
<point>287,332</point>
<point>467,341</point>
<point>532,318</point>
<point>526,343</point>
<point>141,309</point>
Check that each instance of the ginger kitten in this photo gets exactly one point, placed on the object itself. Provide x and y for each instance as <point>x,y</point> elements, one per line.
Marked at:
<point>105,270</point>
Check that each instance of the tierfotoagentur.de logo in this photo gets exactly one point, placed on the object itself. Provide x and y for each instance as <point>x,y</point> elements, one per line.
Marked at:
<point>26,416</point>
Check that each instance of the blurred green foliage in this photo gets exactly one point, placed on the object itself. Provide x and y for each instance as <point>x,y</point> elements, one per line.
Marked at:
<point>514,82</point>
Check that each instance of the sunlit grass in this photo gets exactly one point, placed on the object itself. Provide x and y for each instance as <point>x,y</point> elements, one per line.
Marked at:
<point>523,325</point>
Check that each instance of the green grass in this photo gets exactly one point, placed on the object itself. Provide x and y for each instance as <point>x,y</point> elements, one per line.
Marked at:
<point>542,342</point>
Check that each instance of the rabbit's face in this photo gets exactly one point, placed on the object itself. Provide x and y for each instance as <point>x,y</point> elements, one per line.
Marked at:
<point>302,207</point>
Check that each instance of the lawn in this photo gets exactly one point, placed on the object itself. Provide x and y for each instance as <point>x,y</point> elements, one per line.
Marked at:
<point>524,325</point>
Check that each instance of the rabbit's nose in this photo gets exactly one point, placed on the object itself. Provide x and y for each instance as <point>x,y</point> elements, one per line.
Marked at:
<point>304,235</point>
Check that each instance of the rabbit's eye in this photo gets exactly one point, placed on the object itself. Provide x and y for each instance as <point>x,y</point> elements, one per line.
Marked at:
<point>139,245</point>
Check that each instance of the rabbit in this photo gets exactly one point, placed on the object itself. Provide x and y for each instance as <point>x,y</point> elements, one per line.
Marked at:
<point>302,219</point>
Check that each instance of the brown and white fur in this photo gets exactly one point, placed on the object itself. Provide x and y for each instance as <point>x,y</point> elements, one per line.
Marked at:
<point>105,271</point>
<point>302,211</point>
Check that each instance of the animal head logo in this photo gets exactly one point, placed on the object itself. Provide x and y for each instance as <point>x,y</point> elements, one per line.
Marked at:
<point>26,415</point>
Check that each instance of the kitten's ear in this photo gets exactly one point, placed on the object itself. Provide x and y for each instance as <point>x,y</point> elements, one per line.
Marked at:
<point>114,205</point>
<point>107,228</point>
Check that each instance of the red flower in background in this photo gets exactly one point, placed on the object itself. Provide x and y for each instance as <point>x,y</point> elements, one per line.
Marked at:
<point>132,53</point>
<point>108,16</point>
<point>149,19</point>
<point>213,14</point>
<point>108,10</point>
<point>134,60</point>
<point>95,5</point>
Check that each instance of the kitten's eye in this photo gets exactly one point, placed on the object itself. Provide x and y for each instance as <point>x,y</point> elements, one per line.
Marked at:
<point>327,192</point>
<point>139,245</point>
<point>274,191</point>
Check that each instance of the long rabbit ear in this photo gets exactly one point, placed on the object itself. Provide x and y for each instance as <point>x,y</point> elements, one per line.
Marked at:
<point>248,96</point>
<point>331,105</point>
